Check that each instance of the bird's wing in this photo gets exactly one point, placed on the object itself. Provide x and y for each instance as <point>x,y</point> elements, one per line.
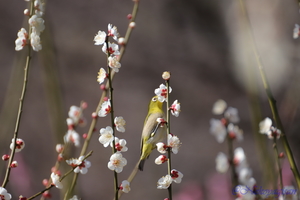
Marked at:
<point>150,126</point>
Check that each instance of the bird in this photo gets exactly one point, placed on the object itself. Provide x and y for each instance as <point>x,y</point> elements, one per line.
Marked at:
<point>153,131</point>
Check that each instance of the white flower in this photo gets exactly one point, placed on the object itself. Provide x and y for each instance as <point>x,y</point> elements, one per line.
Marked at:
<point>20,144</point>
<point>114,63</point>
<point>232,115</point>
<point>35,41</point>
<point>175,108</point>
<point>296,31</point>
<point>75,114</point>
<point>72,136</point>
<point>105,108</point>
<point>101,75</point>
<point>55,180</point>
<point>117,162</point>
<point>245,175</point>
<point>125,186</point>
<point>120,144</point>
<point>218,129</point>
<point>161,147</point>
<point>59,148</point>
<point>113,31</point>
<point>164,182</point>
<point>80,165</point>
<point>39,8</point>
<point>265,127</point>
<point>106,136</point>
<point>120,124</point>
<point>113,49</point>
<point>239,159</point>
<point>219,107</point>
<point>21,41</point>
<point>4,195</point>
<point>174,143</point>
<point>37,22</point>
<point>100,38</point>
<point>176,175</point>
<point>162,92</point>
<point>161,159</point>
<point>234,132</point>
<point>222,163</point>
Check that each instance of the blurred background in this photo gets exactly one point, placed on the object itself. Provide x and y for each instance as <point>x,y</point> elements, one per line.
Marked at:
<point>205,46</point>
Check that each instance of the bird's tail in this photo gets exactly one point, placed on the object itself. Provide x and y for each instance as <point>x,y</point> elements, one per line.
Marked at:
<point>131,176</point>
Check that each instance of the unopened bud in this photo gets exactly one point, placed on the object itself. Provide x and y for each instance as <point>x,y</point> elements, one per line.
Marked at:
<point>26,12</point>
<point>22,198</point>
<point>281,155</point>
<point>45,182</point>
<point>14,164</point>
<point>5,157</point>
<point>132,24</point>
<point>166,76</point>
<point>47,194</point>
<point>84,136</point>
<point>59,148</point>
<point>121,41</point>
<point>129,16</point>
<point>94,115</point>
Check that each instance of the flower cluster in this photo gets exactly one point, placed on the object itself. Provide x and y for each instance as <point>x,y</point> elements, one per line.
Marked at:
<point>79,165</point>
<point>111,49</point>
<point>265,127</point>
<point>36,27</point>
<point>225,126</point>
<point>75,118</point>
<point>173,142</point>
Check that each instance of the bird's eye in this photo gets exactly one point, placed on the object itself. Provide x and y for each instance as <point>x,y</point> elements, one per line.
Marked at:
<point>154,99</point>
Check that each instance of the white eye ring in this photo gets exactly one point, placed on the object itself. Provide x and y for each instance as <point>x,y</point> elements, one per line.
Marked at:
<point>154,99</point>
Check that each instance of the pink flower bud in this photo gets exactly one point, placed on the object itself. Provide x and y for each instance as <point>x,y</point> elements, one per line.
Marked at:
<point>132,24</point>
<point>14,164</point>
<point>129,16</point>
<point>45,182</point>
<point>5,157</point>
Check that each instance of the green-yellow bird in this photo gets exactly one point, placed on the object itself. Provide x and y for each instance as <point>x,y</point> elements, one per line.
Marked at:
<point>152,132</point>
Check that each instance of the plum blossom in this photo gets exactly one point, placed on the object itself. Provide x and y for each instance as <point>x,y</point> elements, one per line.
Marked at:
<point>175,108</point>
<point>265,127</point>
<point>38,23</point>
<point>120,144</point>
<point>101,76</point>
<point>162,92</point>
<point>117,162</point>
<point>113,63</point>
<point>161,147</point>
<point>164,182</point>
<point>80,165</point>
<point>100,38</point>
<point>55,180</point>
<point>35,40</point>
<point>222,164</point>
<point>176,175</point>
<point>218,129</point>
<point>125,186</point>
<point>74,198</point>
<point>4,195</point>
<point>113,49</point>
<point>161,159</point>
<point>234,132</point>
<point>174,143</point>
<point>113,32</point>
<point>76,116</point>
<point>231,114</point>
<point>21,41</point>
<point>219,107</point>
<point>106,136</point>
<point>120,124</point>
<point>20,144</point>
<point>105,108</point>
<point>72,136</point>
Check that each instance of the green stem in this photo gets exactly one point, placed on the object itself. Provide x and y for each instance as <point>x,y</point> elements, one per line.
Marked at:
<point>21,102</point>
<point>272,101</point>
